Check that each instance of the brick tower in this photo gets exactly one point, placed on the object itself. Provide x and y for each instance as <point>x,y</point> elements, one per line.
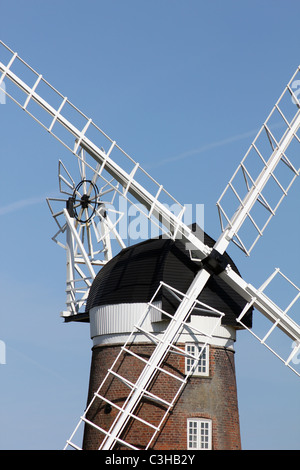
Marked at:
<point>205,411</point>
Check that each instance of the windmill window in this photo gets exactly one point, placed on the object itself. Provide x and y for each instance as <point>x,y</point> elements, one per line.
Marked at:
<point>200,365</point>
<point>199,434</point>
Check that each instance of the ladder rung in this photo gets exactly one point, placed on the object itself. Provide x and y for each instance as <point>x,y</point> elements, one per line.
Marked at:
<point>73,445</point>
<point>123,348</point>
<point>153,397</point>
<point>150,335</point>
<point>148,364</point>
<point>94,425</point>
<point>129,414</point>
<point>171,375</point>
<point>117,439</point>
<point>125,381</point>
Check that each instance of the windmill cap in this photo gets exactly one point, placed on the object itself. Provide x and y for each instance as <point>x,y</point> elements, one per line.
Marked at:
<point>135,273</point>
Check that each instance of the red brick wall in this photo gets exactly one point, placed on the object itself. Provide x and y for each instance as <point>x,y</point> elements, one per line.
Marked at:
<point>213,397</point>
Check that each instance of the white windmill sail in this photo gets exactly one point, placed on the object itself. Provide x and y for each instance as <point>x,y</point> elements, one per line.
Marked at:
<point>52,111</point>
<point>79,132</point>
<point>265,175</point>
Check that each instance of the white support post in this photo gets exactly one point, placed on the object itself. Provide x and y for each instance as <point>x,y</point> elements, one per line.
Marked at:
<point>70,272</point>
<point>84,254</point>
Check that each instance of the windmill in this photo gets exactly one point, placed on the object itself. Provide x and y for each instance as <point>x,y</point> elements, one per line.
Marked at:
<point>247,204</point>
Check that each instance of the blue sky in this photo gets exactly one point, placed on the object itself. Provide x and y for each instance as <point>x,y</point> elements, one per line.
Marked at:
<point>183,87</point>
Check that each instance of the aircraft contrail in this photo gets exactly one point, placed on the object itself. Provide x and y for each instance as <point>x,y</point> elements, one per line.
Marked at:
<point>205,148</point>
<point>17,205</point>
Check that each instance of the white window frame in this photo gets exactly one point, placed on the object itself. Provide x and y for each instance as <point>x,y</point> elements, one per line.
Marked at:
<point>199,434</point>
<point>202,368</point>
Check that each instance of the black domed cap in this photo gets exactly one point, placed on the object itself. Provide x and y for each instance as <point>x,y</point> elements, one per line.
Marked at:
<point>134,275</point>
